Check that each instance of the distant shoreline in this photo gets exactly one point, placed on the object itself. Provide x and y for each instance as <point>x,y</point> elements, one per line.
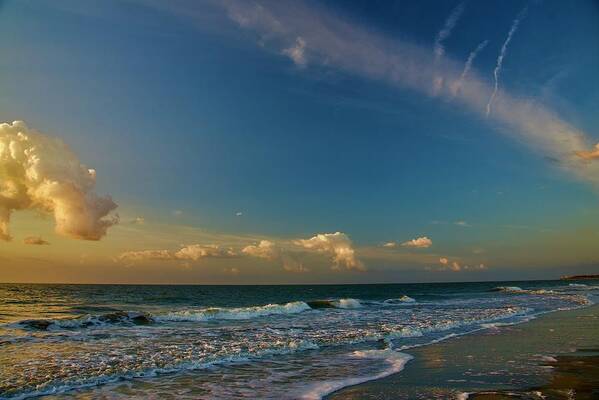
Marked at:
<point>503,281</point>
<point>579,277</point>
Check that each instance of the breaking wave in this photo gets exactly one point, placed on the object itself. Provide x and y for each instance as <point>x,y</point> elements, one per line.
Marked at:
<point>240,313</point>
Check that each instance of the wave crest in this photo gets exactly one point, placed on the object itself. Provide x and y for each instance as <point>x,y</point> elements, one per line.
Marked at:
<point>340,303</point>
<point>240,313</point>
<point>113,318</point>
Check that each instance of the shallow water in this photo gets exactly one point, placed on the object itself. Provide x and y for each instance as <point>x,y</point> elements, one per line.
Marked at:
<point>241,341</point>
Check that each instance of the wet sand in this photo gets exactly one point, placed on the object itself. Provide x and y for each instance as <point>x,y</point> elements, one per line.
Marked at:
<point>555,355</point>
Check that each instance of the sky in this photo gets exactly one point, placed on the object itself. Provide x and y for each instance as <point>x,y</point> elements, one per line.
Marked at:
<point>248,142</point>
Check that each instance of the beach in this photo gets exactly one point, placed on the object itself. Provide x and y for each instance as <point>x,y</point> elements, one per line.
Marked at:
<point>555,355</point>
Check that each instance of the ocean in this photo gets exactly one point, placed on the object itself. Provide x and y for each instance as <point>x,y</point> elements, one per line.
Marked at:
<point>250,342</point>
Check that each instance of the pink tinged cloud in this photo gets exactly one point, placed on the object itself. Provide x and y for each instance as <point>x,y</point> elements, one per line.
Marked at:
<point>335,43</point>
<point>589,155</point>
<point>456,266</point>
<point>39,172</point>
<point>297,53</point>
<point>420,243</point>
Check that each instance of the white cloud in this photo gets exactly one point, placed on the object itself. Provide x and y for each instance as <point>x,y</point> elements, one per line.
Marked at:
<point>455,266</point>
<point>335,43</point>
<point>420,243</point>
<point>297,52</point>
<point>390,245</point>
<point>462,223</point>
<point>268,250</point>
<point>36,240</point>
<point>443,261</point>
<point>338,245</point>
<point>238,214</point>
<point>138,221</point>
<point>39,172</point>
<point>265,249</point>
<point>290,264</point>
<point>231,270</point>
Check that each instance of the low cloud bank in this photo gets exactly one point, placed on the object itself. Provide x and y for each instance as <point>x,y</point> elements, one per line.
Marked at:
<point>289,254</point>
<point>192,252</point>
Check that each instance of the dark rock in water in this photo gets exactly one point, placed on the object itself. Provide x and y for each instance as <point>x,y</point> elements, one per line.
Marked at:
<point>122,316</point>
<point>113,318</point>
<point>118,317</point>
<point>141,319</point>
<point>41,324</point>
<point>320,304</point>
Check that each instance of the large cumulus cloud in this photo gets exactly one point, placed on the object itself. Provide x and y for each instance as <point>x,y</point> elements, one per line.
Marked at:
<point>265,249</point>
<point>338,245</point>
<point>39,172</point>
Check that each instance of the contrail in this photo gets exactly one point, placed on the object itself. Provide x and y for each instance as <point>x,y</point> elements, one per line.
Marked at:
<point>497,70</point>
<point>468,65</point>
<point>444,33</point>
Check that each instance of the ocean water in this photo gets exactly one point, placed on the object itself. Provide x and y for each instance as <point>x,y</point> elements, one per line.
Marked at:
<point>223,342</point>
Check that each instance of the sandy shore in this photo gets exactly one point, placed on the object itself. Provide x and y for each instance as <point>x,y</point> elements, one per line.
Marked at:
<point>555,355</point>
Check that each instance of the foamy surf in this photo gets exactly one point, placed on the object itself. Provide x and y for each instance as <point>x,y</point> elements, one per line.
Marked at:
<point>241,313</point>
<point>331,338</point>
<point>401,300</point>
<point>395,361</point>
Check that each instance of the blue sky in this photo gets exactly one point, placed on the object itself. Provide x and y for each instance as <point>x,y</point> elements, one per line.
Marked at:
<point>201,107</point>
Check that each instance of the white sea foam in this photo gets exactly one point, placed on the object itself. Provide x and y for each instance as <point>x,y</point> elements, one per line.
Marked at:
<point>548,359</point>
<point>511,289</point>
<point>59,387</point>
<point>400,300</point>
<point>395,363</point>
<point>240,313</point>
<point>347,303</point>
